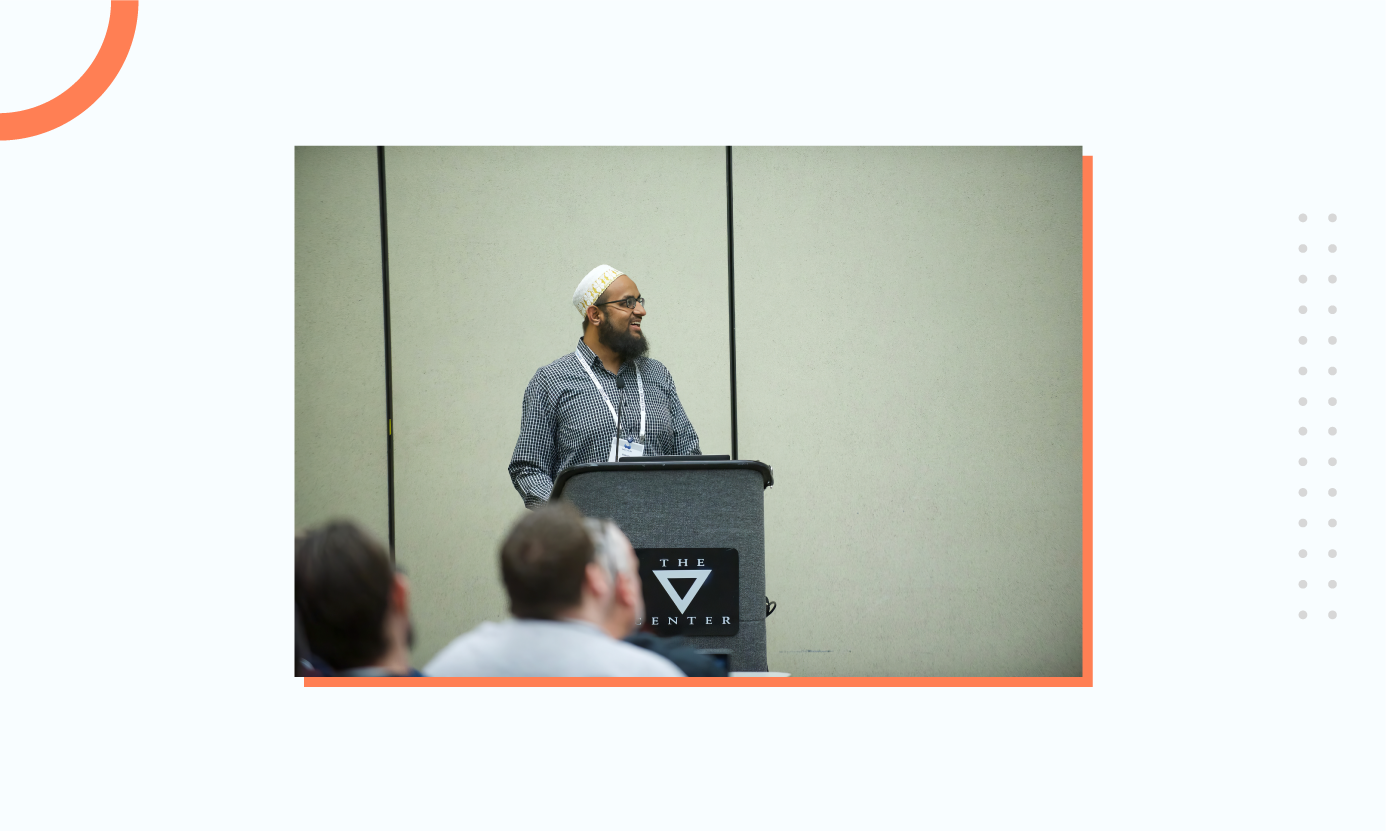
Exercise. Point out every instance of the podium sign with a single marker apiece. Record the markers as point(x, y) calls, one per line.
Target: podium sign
point(690, 592)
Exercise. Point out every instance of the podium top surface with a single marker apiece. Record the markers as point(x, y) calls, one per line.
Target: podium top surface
point(689, 463)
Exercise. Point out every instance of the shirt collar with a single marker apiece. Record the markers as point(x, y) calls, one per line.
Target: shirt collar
point(588, 355)
point(593, 361)
point(578, 623)
point(571, 623)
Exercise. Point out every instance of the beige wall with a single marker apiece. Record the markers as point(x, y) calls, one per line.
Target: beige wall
point(339, 343)
point(908, 359)
point(486, 247)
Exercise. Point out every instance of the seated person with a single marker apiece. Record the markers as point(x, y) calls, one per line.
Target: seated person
point(628, 609)
point(305, 663)
point(562, 590)
point(352, 606)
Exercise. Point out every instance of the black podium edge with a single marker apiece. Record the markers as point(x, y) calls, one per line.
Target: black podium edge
point(693, 464)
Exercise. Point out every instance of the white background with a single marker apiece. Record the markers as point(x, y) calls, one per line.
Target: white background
point(146, 363)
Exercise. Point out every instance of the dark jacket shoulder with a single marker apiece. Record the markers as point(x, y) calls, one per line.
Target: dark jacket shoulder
point(681, 655)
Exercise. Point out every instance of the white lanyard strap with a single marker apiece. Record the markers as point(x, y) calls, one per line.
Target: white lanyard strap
point(640, 386)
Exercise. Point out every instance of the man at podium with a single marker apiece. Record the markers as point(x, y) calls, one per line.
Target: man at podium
point(604, 400)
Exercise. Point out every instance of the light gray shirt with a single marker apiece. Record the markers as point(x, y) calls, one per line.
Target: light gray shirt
point(531, 647)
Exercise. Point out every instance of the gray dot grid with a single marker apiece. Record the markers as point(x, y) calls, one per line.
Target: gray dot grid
point(1302, 372)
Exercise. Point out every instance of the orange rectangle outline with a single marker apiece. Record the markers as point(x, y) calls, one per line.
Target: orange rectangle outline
point(1084, 681)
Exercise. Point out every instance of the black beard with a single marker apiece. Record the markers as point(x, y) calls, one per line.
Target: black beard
point(626, 345)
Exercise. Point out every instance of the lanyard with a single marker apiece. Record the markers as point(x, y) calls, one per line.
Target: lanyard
point(640, 385)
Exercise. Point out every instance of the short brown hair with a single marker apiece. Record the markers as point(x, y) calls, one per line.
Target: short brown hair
point(342, 583)
point(544, 561)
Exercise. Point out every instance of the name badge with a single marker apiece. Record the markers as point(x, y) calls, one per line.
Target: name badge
point(630, 447)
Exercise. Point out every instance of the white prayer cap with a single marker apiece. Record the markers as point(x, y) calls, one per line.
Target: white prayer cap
point(592, 286)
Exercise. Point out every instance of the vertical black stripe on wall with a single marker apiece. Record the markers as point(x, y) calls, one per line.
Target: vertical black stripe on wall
point(731, 307)
point(389, 393)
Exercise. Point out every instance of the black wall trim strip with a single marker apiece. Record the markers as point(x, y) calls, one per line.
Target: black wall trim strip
point(731, 306)
point(389, 393)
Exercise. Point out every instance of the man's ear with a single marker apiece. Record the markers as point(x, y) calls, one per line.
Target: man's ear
point(594, 315)
point(596, 580)
point(399, 594)
point(628, 589)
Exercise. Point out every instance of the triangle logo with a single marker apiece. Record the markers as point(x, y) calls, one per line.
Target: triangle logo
point(699, 576)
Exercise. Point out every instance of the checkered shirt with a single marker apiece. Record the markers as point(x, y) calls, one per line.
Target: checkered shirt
point(564, 421)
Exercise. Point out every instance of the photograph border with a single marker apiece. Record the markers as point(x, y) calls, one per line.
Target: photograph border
point(1084, 681)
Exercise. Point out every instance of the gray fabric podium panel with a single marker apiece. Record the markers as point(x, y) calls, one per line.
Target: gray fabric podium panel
point(684, 509)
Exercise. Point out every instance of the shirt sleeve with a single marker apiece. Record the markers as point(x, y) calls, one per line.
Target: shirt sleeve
point(685, 438)
point(532, 464)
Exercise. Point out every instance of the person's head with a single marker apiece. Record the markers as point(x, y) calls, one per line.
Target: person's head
point(612, 305)
point(550, 568)
point(614, 553)
point(351, 602)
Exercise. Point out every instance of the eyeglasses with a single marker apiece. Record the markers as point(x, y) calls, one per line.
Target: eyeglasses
point(625, 303)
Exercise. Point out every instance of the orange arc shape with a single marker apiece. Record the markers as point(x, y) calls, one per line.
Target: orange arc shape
point(73, 101)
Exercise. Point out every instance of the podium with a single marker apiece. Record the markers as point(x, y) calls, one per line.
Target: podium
point(698, 527)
